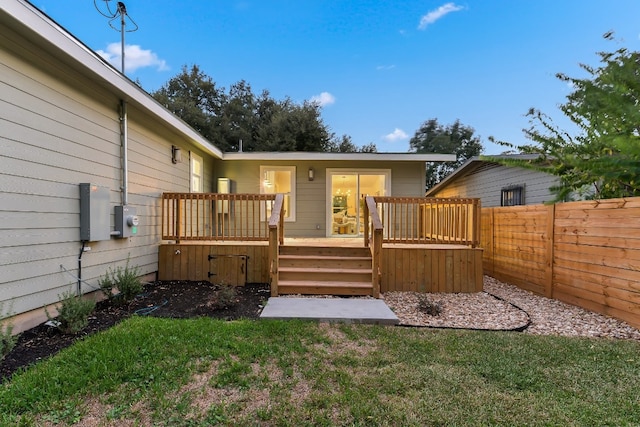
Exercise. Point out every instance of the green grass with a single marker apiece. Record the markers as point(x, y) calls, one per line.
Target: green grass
point(202, 372)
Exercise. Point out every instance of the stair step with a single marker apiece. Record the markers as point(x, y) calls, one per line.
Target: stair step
point(324, 287)
point(305, 261)
point(314, 270)
point(325, 274)
point(325, 251)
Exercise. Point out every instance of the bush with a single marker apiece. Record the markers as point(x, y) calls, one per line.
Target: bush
point(73, 313)
point(432, 308)
point(125, 279)
point(225, 296)
point(7, 339)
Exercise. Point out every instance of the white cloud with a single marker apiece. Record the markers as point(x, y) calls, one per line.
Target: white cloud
point(325, 98)
point(438, 13)
point(385, 67)
point(396, 135)
point(134, 57)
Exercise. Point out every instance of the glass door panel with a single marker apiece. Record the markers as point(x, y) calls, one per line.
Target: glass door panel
point(348, 190)
point(344, 206)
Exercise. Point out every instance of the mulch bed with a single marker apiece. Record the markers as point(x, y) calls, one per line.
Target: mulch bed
point(175, 299)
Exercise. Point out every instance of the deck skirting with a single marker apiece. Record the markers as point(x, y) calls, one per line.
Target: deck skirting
point(417, 268)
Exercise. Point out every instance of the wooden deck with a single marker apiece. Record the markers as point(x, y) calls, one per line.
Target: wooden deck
point(410, 244)
point(405, 267)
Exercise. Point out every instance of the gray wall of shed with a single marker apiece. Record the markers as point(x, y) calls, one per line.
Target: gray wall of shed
point(488, 180)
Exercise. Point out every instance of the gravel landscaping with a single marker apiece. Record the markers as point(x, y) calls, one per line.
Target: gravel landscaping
point(513, 309)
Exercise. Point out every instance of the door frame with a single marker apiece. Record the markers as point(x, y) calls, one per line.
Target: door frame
point(330, 172)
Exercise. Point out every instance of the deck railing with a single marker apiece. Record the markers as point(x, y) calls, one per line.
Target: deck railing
point(424, 220)
point(214, 216)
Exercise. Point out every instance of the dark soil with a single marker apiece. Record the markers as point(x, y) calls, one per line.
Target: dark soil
point(178, 299)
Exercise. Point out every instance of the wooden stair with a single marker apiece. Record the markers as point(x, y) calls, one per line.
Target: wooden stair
point(315, 270)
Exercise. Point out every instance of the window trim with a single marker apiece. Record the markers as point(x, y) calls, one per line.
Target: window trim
point(193, 159)
point(293, 184)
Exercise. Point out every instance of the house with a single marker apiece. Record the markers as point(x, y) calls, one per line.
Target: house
point(87, 154)
point(497, 184)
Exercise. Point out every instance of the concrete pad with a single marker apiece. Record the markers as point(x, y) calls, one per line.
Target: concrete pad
point(345, 310)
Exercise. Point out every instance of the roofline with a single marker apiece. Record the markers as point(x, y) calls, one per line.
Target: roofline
point(315, 155)
point(89, 63)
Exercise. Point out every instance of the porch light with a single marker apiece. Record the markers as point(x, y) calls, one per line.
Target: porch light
point(311, 174)
point(176, 155)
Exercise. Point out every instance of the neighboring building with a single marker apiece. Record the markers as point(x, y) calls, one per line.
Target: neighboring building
point(67, 117)
point(496, 184)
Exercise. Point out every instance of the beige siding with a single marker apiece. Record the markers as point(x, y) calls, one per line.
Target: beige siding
point(486, 183)
point(54, 134)
point(407, 179)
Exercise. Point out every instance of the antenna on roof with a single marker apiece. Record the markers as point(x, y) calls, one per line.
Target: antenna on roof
point(112, 15)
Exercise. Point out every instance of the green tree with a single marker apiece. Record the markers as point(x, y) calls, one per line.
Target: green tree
point(344, 144)
point(194, 97)
point(603, 160)
point(227, 117)
point(458, 139)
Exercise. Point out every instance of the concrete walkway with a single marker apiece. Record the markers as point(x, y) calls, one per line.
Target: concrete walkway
point(345, 310)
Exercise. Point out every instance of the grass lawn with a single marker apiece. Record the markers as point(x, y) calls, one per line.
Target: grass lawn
point(201, 372)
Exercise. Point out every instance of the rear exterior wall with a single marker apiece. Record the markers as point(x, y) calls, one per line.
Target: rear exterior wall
point(407, 180)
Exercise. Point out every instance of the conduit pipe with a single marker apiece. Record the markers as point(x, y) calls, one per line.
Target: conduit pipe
point(124, 151)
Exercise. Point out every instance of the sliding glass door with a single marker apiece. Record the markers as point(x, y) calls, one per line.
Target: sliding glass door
point(346, 192)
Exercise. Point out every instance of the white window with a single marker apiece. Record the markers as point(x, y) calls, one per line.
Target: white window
point(512, 196)
point(197, 173)
point(280, 179)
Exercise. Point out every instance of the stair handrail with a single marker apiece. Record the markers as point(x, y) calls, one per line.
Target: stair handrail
point(276, 238)
point(374, 242)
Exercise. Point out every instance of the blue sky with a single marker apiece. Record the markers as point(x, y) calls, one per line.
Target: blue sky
point(379, 68)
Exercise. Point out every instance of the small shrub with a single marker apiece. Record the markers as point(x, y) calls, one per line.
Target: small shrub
point(224, 297)
point(7, 339)
point(125, 279)
point(106, 285)
point(73, 313)
point(432, 308)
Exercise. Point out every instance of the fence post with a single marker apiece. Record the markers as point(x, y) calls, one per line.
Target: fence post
point(549, 241)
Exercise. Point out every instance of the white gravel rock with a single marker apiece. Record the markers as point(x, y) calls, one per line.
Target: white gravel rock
point(514, 309)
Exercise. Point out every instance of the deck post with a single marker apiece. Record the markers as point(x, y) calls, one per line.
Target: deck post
point(377, 261)
point(273, 260)
point(276, 238)
point(366, 224)
point(376, 247)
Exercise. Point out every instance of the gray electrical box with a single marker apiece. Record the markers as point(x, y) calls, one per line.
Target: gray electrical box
point(94, 213)
point(126, 221)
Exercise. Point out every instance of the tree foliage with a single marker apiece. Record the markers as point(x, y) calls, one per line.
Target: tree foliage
point(458, 139)
point(603, 160)
point(262, 123)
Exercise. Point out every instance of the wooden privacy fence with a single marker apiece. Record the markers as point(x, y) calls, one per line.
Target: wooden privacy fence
point(583, 253)
point(213, 216)
point(426, 220)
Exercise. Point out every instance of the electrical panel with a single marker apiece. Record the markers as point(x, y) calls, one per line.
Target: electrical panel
point(126, 221)
point(94, 213)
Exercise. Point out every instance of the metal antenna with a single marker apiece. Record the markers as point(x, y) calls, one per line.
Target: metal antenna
point(121, 11)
